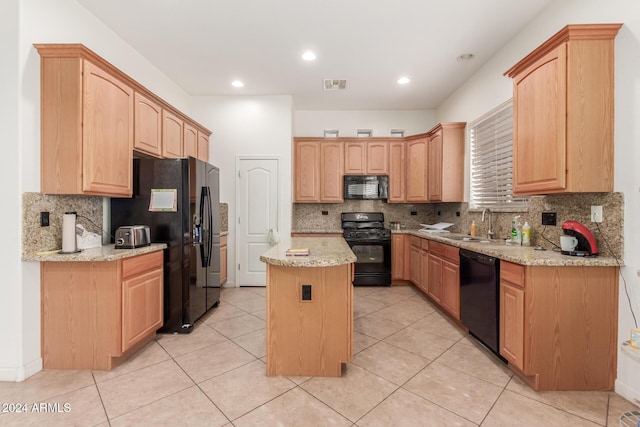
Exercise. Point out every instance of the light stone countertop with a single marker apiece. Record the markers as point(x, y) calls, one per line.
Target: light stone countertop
point(103, 253)
point(524, 255)
point(325, 252)
point(315, 231)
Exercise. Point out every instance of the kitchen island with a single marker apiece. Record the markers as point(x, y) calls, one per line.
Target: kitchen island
point(309, 307)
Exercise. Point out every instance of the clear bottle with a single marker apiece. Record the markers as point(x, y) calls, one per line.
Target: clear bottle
point(526, 234)
point(516, 230)
point(474, 229)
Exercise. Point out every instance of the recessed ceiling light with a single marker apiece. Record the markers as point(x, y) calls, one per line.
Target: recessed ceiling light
point(309, 56)
point(403, 80)
point(465, 57)
point(237, 83)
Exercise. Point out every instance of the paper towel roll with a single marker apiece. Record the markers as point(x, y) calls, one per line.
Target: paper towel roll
point(69, 232)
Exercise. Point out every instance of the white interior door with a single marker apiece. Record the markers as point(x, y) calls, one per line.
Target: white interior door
point(257, 215)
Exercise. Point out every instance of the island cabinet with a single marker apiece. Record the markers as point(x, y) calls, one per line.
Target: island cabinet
point(397, 176)
point(417, 174)
point(444, 277)
point(318, 171)
point(366, 157)
point(86, 128)
point(558, 325)
point(95, 313)
point(147, 126)
point(563, 113)
point(309, 307)
point(446, 163)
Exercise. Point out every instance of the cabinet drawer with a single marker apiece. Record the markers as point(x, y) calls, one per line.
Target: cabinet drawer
point(141, 263)
point(424, 244)
point(512, 273)
point(223, 240)
point(449, 252)
point(415, 241)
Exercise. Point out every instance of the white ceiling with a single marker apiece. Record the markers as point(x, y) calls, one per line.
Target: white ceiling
point(203, 45)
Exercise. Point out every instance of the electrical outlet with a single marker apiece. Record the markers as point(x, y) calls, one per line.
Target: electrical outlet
point(549, 218)
point(324, 212)
point(44, 219)
point(414, 212)
point(596, 214)
point(306, 292)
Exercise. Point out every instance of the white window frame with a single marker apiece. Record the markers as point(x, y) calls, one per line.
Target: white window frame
point(491, 161)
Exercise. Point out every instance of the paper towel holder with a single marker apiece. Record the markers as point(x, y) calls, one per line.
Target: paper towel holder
point(69, 243)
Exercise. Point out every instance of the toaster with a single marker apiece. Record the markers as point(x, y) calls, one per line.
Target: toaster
point(132, 236)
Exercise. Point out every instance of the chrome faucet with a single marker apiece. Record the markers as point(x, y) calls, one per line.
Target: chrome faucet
point(490, 230)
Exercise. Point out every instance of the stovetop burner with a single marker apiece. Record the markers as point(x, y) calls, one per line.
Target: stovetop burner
point(364, 226)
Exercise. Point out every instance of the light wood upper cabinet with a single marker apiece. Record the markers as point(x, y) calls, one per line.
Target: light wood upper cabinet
point(366, 158)
point(86, 128)
point(397, 180)
point(306, 160)
point(203, 146)
point(446, 162)
point(331, 167)
point(107, 133)
point(563, 113)
point(355, 158)
point(172, 133)
point(377, 157)
point(416, 169)
point(318, 171)
point(147, 135)
point(92, 118)
point(190, 141)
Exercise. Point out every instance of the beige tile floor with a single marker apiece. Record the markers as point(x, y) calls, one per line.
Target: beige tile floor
point(411, 367)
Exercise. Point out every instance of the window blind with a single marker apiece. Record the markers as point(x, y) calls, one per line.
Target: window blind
point(491, 139)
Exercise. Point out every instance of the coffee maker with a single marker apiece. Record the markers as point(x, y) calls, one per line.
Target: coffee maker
point(587, 245)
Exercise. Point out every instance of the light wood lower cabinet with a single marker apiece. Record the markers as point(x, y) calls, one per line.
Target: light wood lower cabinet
point(558, 325)
point(223, 259)
point(397, 256)
point(444, 277)
point(415, 261)
point(96, 313)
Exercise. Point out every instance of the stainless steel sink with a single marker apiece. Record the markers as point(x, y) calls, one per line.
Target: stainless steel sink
point(465, 238)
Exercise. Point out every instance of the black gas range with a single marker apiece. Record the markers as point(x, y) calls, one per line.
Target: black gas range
point(371, 243)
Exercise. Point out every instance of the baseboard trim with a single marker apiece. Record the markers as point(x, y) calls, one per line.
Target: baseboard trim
point(628, 392)
point(21, 373)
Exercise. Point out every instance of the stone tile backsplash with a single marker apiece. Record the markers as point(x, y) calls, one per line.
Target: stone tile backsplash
point(307, 217)
point(36, 238)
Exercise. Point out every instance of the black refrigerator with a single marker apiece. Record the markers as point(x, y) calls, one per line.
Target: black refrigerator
point(179, 200)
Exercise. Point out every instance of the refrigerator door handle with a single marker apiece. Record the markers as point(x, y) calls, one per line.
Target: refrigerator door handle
point(209, 230)
point(205, 217)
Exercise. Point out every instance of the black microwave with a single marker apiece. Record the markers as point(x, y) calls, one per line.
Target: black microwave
point(366, 187)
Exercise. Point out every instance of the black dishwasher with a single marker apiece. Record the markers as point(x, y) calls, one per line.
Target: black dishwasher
point(480, 297)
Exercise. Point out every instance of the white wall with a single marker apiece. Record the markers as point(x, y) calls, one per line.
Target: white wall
point(248, 126)
point(488, 88)
point(313, 123)
point(25, 22)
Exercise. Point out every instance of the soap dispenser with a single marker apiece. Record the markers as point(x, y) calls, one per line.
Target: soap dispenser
point(474, 229)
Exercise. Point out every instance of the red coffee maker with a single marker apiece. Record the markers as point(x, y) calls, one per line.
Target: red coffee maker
point(587, 245)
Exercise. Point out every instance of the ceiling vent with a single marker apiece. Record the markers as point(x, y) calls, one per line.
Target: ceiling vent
point(330, 84)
